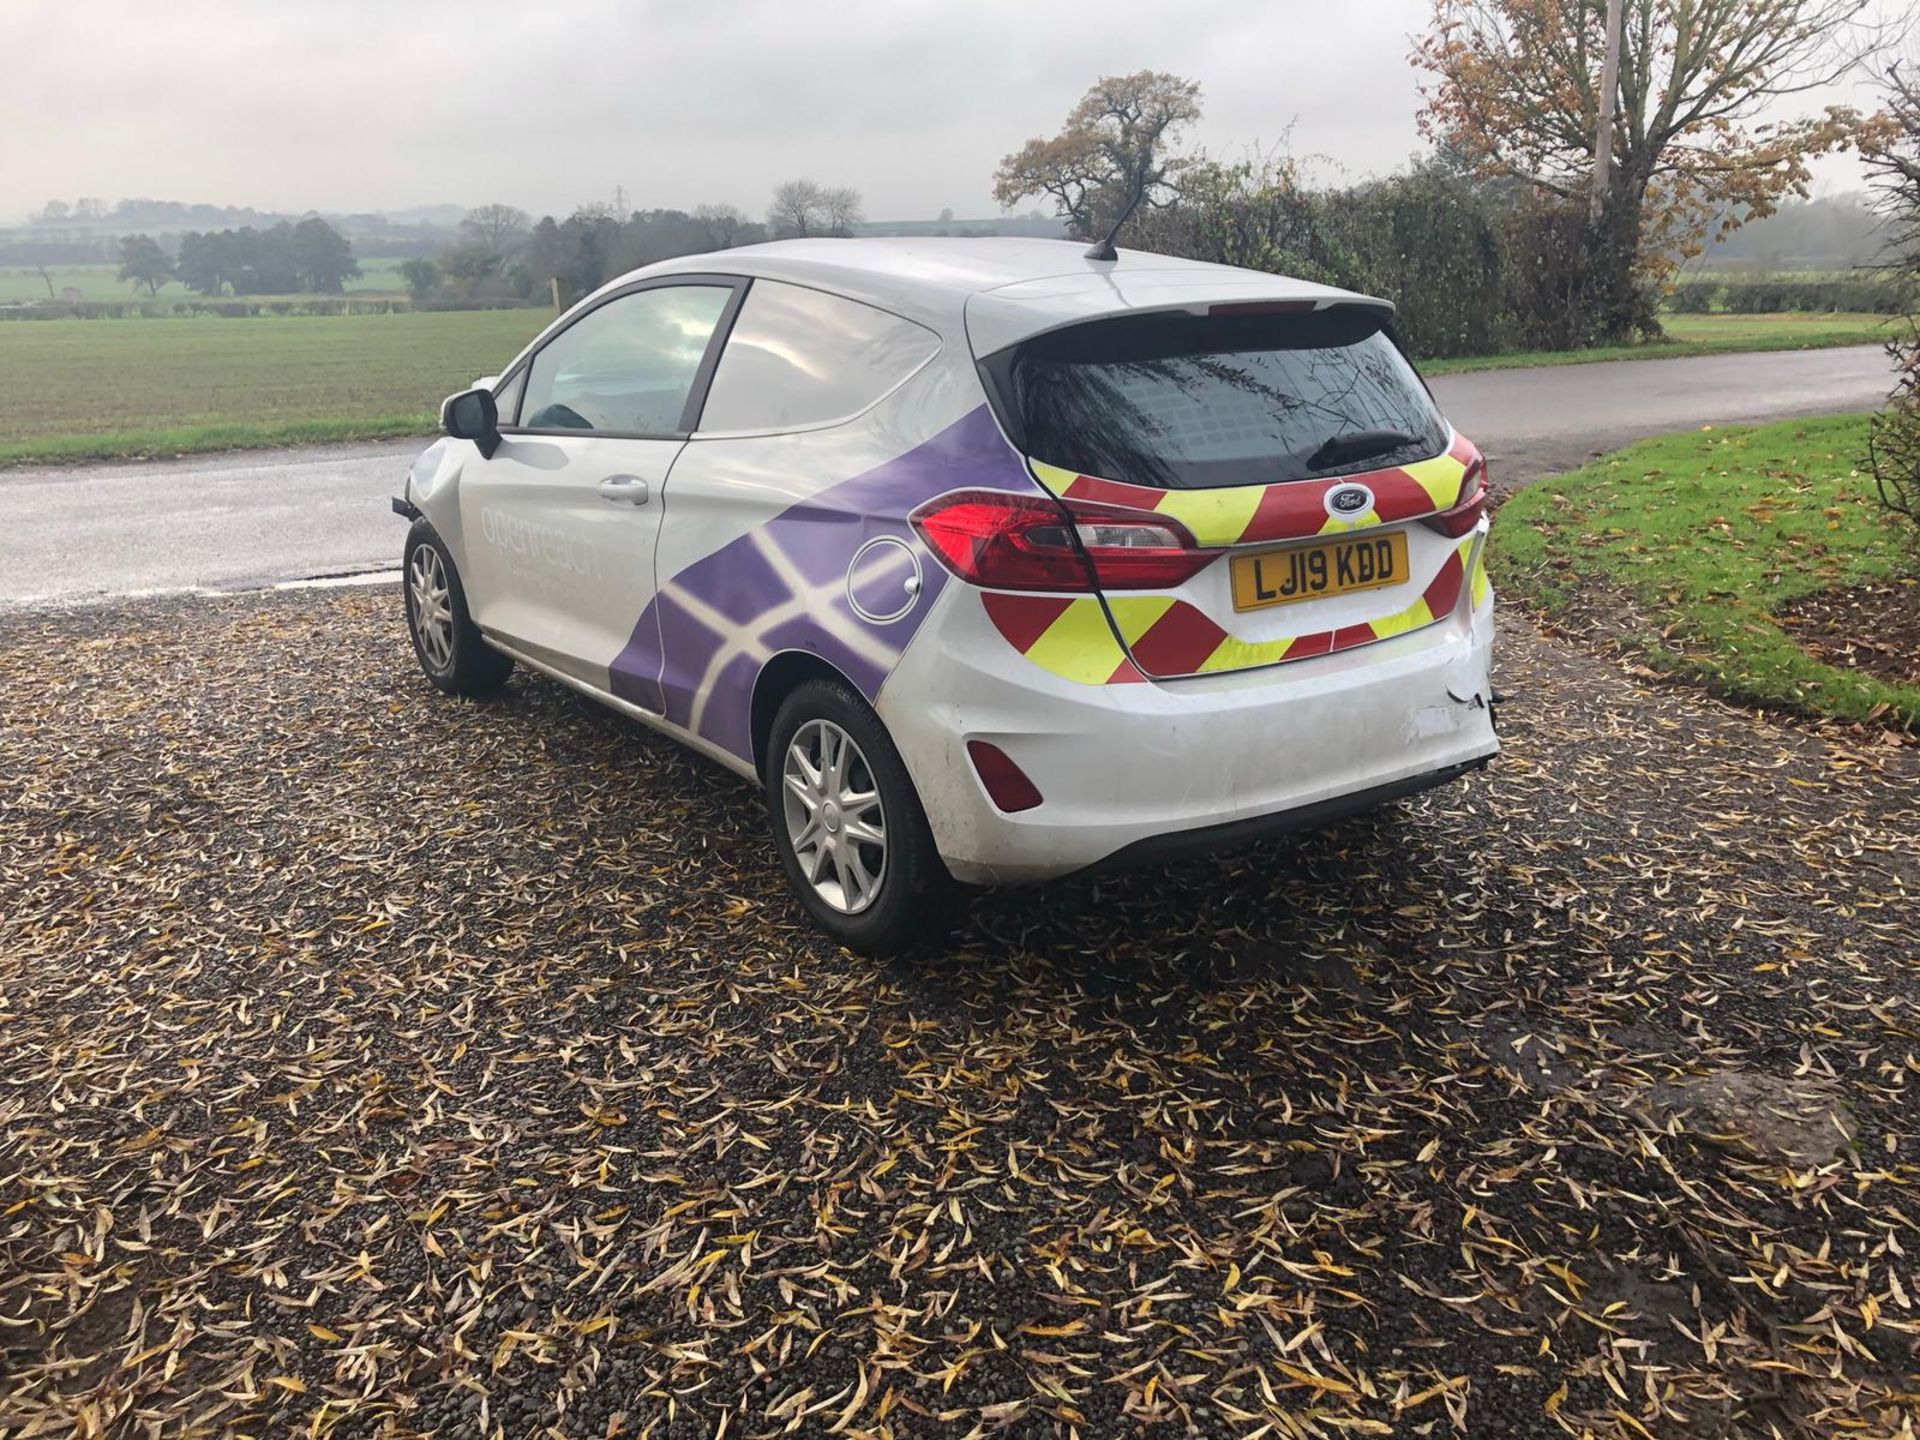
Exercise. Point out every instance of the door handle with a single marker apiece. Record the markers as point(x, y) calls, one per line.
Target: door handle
point(624, 490)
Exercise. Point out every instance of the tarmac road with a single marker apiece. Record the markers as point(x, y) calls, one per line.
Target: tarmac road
point(75, 533)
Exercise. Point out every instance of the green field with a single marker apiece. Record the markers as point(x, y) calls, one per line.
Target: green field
point(1700, 335)
point(102, 282)
point(1683, 551)
point(93, 388)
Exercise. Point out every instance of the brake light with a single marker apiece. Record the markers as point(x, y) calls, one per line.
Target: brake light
point(1024, 542)
point(1007, 784)
point(1262, 307)
point(1473, 504)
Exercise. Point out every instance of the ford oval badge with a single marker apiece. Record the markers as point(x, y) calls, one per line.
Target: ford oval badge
point(1344, 502)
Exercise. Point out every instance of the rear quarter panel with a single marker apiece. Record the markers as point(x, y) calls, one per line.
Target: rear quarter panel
point(759, 544)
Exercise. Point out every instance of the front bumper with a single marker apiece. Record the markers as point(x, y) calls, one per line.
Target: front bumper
point(1141, 772)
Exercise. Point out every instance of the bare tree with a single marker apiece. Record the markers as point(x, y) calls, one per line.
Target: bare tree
point(723, 223)
point(1894, 441)
point(1894, 160)
point(42, 255)
point(499, 230)
point(797, 208)
point(840, 209)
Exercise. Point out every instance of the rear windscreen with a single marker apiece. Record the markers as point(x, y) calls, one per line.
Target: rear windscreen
point(1188, 402)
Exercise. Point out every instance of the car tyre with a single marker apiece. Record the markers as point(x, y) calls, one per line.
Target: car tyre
point(847, 821)
point(447, 643)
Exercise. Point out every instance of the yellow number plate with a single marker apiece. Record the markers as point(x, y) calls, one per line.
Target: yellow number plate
point(1307, 572)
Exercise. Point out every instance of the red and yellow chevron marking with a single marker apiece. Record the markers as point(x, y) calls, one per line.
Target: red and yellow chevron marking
point(1068, 635)
point(1291, 510)
point(1167, 637)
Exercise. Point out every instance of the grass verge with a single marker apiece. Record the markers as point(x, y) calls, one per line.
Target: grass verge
point(1683, 550)
point(1697, 335)
point(201, 439)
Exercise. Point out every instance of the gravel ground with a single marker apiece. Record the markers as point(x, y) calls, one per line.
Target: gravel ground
point(377, 1064)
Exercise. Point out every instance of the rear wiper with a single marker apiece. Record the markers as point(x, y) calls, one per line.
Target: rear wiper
point(1358, 445)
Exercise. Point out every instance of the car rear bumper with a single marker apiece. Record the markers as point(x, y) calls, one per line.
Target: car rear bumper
point(1137, 773)
point(1211, 839)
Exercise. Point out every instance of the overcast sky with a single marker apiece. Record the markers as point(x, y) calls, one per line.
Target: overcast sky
point(376, 104)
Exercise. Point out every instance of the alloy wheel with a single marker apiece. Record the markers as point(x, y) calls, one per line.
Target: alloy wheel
point(835, 821)
point(432, 607)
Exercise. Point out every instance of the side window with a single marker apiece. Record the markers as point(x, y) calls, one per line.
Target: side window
point(627, 366)
point(507, 398)
point(802, 357)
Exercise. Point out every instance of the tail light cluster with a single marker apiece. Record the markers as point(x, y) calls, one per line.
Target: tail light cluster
point(1472, 505)
point(1001, 541)
point(1025, 542)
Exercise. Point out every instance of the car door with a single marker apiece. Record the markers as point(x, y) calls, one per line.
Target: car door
point(560, 523)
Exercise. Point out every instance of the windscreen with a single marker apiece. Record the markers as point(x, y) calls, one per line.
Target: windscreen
point(1187, 402)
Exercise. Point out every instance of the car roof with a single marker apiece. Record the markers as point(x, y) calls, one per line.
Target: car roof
point(999, 290)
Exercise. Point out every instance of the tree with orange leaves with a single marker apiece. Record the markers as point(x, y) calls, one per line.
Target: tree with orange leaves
point(1116, 143)
point(1697, 147)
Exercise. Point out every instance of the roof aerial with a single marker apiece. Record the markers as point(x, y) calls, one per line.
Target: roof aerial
point(1102, 249)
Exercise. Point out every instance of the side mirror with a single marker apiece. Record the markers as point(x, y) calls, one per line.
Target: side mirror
point(472, 415)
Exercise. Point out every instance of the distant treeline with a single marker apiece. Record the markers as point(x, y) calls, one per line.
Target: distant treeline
point(501, 252)
point(1475, 266)
point(1835, 232)
point(492, 254)
point(310, 258)
point(148, 215)
point(247, 307)
point(502, 255)
point(89, 232)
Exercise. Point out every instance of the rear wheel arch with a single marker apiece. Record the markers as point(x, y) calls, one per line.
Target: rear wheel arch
point(846, 819)
point(779, 678)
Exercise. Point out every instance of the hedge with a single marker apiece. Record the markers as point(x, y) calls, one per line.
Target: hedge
point(1867, 294)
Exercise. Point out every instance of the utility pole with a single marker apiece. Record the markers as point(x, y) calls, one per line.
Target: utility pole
point(1603, 137)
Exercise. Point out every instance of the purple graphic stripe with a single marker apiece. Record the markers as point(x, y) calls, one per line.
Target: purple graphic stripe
point(674, 645)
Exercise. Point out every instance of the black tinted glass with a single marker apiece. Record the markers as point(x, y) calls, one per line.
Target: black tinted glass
point(1194, 402)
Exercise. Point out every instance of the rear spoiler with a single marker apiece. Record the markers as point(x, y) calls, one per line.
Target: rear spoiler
point(999, 319)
